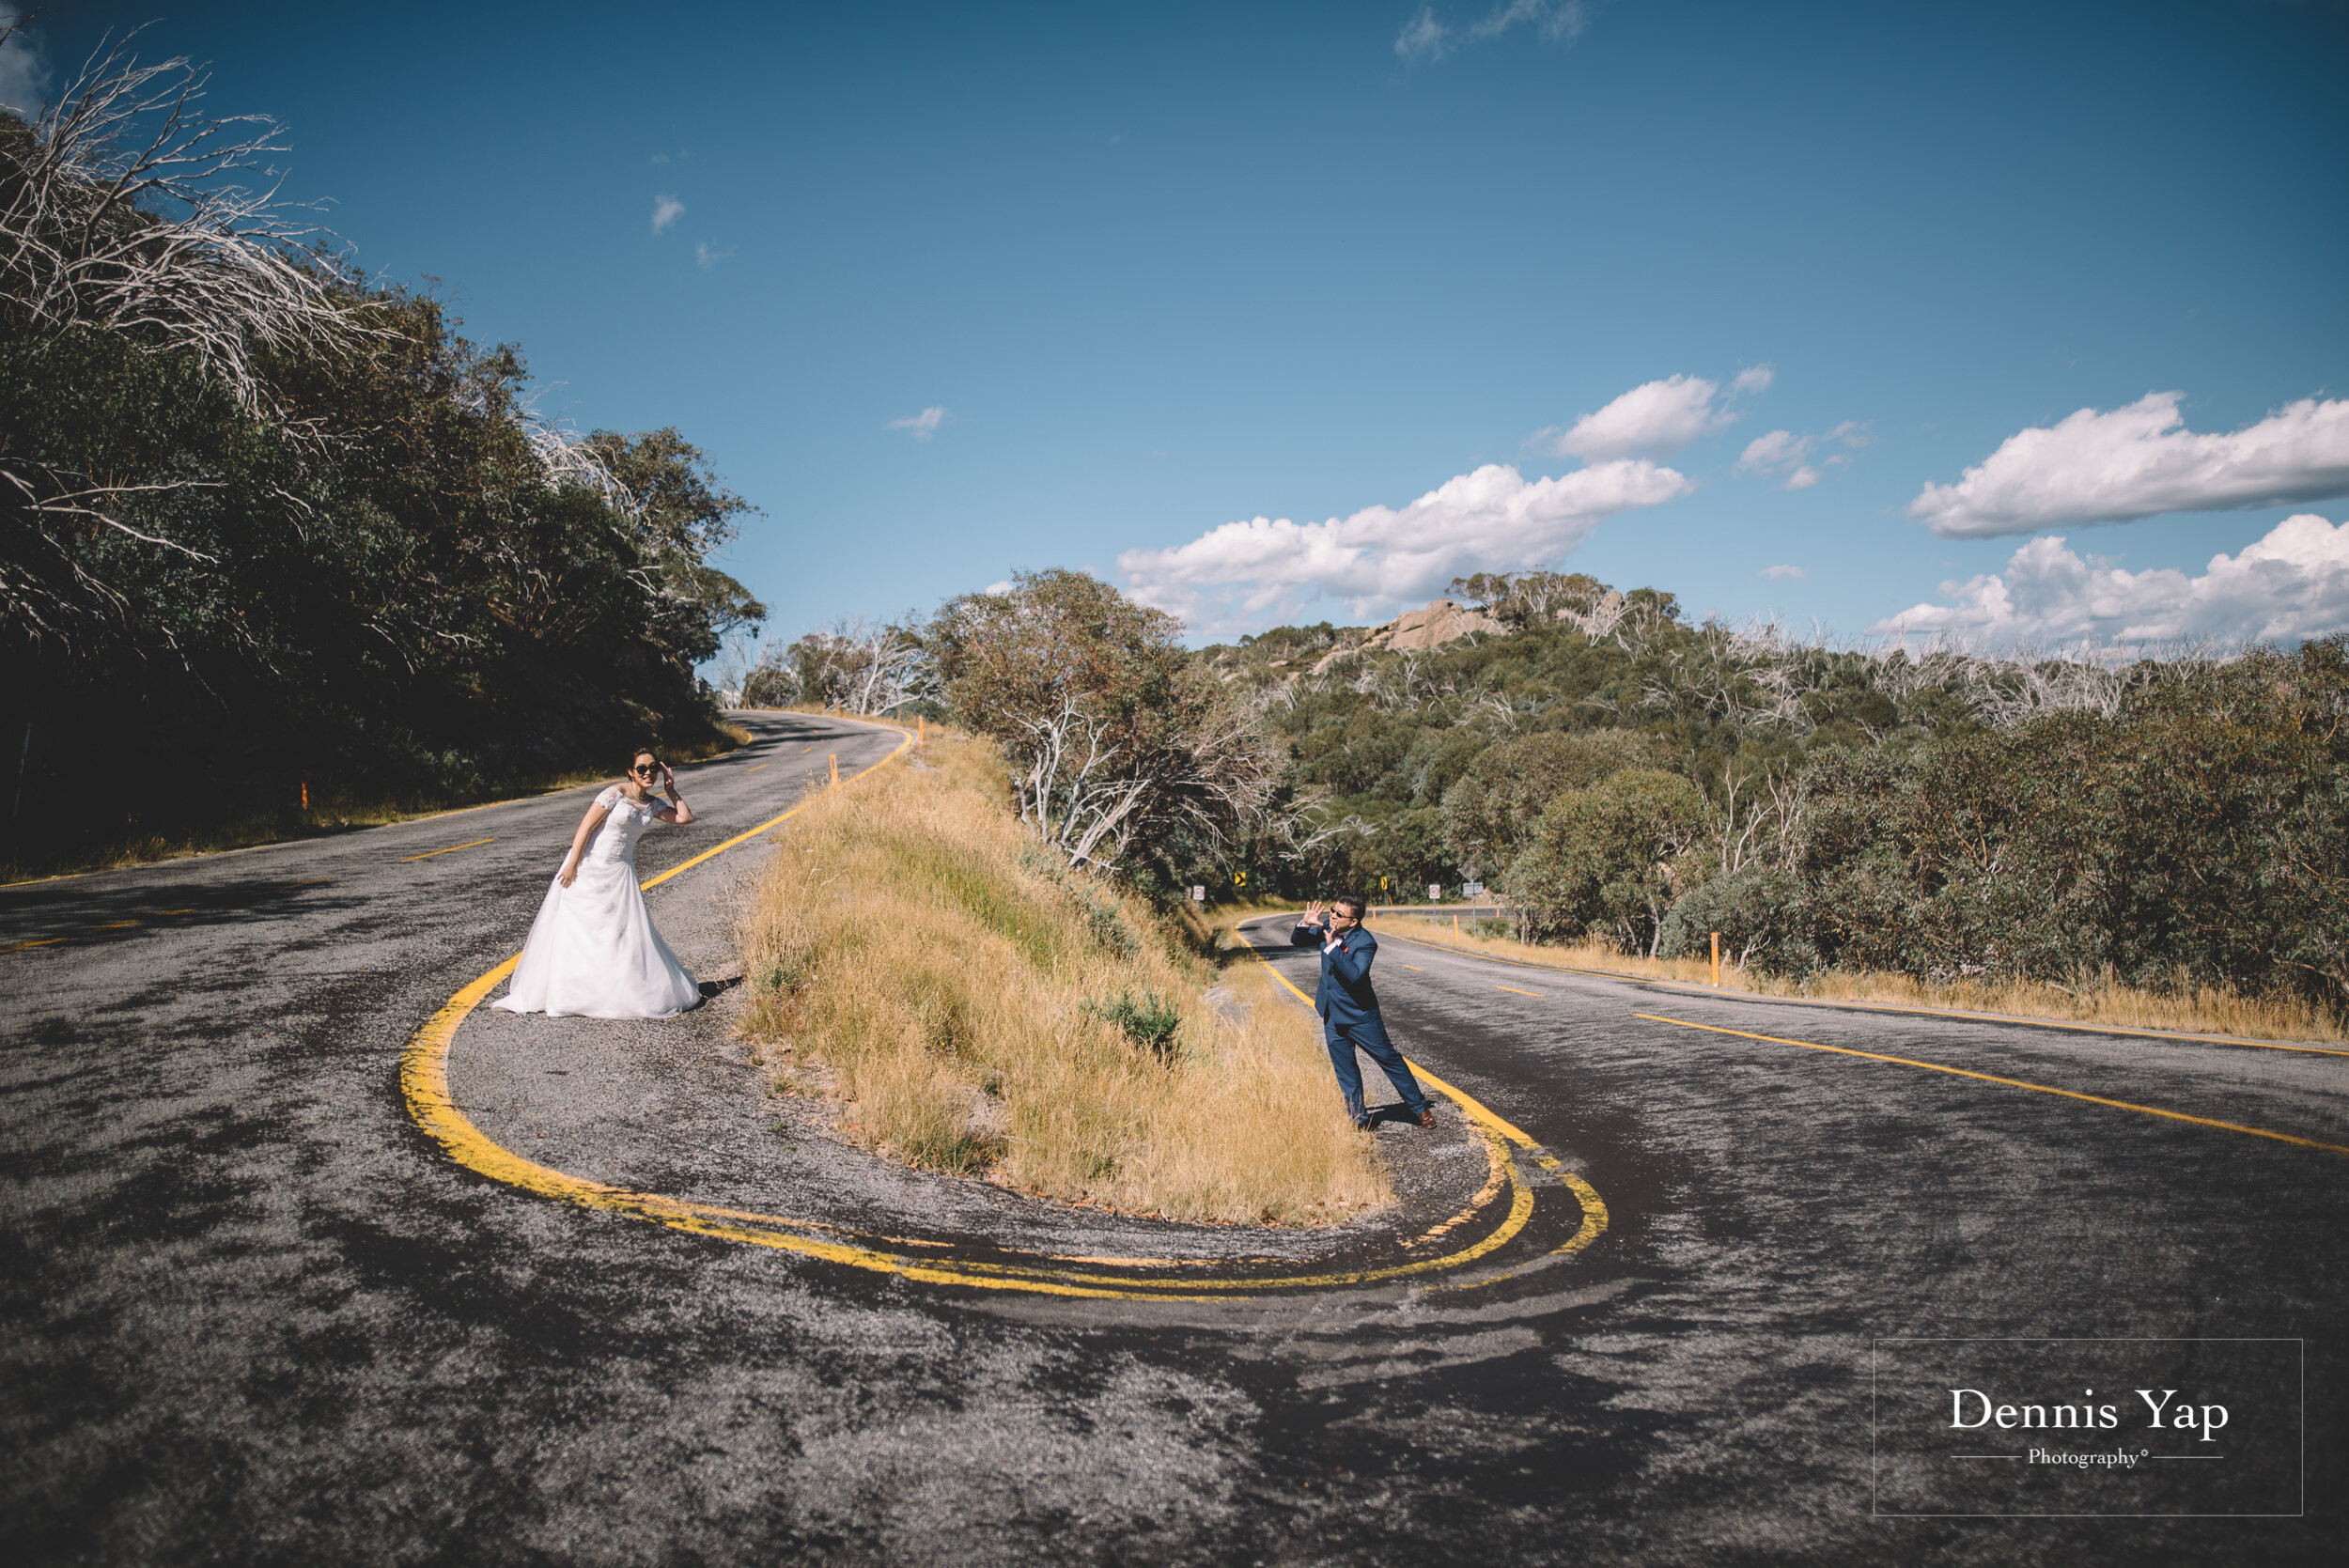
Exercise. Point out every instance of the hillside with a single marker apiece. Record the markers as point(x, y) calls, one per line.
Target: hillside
point(1630, 775)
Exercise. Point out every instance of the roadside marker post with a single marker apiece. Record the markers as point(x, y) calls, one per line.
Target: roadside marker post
point(835, 769)
point(1717, 960)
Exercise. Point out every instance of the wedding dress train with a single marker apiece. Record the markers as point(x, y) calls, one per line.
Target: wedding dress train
point(593, 952)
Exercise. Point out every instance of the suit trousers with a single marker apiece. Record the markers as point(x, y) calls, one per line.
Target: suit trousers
point(1368, 1033)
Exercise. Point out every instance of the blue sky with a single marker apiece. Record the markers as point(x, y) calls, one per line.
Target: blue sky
point(1170, 270)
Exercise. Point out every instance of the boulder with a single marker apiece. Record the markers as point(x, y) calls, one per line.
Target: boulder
point(1441, 622)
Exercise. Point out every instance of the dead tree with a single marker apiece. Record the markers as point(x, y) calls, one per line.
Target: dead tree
point(123, 211)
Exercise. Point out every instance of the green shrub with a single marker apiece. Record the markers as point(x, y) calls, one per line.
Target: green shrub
point(1607, 860)
point(1147, 1020)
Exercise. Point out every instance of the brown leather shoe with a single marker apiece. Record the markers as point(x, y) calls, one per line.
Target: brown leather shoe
point(1427, 1117)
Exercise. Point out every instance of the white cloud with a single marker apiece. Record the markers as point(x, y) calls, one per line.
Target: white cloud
point(1755, 377)
point(1249, 574)
point(2140, 460)
point(1657, 418)
point(1771, 451)
point(1785, 453)
point(1780, 573)
point(2289, 585)
point(1425, 38)
point(996, 588)
point(708, 255)
point(665, 211)
point(23, 74)
point(924, 424)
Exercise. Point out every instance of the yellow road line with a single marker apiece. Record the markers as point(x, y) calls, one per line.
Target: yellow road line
point(2012, 1083)
point(1514, 989)
point(2174, 1037)
point(450, 850)
point(424, 1084)
point(77, 931)
point(1594, 1207)
point(755, 769)
point(1415, 969)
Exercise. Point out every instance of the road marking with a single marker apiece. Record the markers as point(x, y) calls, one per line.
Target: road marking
point(450, 850)
point(1514, 989)
point(2173, 1036)
point(424, 1084)
point(1415, 969)
point(1594, 1207)
point(77, 931)
point(755, 769)
point(2012, 1083)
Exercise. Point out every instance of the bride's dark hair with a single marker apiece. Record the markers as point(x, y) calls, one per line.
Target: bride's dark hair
point(642, 751)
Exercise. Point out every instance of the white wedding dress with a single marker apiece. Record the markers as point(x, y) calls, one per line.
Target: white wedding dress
point(593, 952)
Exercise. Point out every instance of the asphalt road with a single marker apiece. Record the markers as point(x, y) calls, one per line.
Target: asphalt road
point(255, 1313)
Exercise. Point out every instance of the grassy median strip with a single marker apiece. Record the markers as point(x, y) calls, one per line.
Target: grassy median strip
point(981, 1010)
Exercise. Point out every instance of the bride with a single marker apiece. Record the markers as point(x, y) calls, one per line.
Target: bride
point(593, 952)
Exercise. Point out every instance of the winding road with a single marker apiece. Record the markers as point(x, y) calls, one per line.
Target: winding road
point(307, 1262)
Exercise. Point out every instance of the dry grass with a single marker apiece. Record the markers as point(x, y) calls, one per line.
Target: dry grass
point(2188, 1009)
point(911, 953)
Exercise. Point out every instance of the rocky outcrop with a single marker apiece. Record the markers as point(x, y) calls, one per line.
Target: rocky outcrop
point(1441, 622)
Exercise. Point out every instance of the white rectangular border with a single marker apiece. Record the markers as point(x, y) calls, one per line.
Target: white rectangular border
point(1875, 1467)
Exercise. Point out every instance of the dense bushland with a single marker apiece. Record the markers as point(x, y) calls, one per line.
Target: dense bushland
point(265, 524)
point(1627, 777)
point(2178, 825)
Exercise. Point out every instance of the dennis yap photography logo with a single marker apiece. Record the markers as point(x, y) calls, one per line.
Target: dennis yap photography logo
point(2013, 1428)
point(1973, 1410)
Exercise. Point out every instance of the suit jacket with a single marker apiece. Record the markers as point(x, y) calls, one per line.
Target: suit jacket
point(1344, 995)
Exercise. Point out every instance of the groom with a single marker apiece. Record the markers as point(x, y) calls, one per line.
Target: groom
point(1349, 1008)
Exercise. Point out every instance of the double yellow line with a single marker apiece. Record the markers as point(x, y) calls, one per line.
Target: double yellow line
point(1498, 1131)
point(424, 1084)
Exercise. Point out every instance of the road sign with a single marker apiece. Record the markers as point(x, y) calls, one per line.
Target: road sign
point(1198, 893)
point(1434, 892)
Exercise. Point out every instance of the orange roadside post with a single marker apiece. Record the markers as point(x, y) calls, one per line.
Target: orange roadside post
point(1717, 960)
point(920, 729)
point(306, 795)
point(835, 769)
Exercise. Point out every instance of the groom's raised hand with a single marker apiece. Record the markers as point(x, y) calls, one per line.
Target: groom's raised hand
point(1314, 915)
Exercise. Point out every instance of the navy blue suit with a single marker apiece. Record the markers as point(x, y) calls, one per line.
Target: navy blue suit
point(1349, 1019)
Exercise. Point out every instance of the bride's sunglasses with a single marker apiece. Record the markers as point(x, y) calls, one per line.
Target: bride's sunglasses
point(644, 768)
